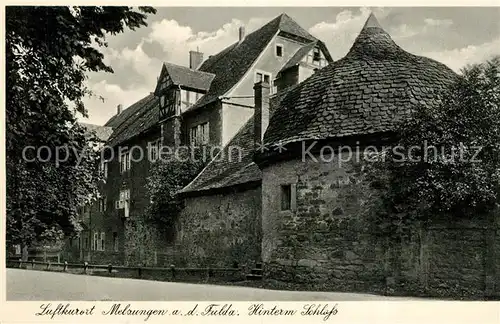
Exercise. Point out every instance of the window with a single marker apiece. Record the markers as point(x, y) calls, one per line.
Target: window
point(103, 168)
point(288, 197)
point(258, 77)
point(124, 161)
point(115, 241)
point(265, 77)
point(102, 242)
point(123, 199)
point(279, 50)
point(162, 101)
point(86, 243)
point(95, 241)
point(154, 150)
point(102, 204)
point(316, 56)
point(262, 76)
point(200, 134)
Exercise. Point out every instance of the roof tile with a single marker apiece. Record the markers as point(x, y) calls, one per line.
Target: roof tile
point(367, 91)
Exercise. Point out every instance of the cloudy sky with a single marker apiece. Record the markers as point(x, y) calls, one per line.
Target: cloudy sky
point(454, 36)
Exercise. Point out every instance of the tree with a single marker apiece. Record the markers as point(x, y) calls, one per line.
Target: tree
point(49, 51)
point(446, 162)
point(167, 176)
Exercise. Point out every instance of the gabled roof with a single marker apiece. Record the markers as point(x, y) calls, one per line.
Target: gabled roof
point(184, 76)
point(366, 92)
point(231, 64)
point(303, 51)
point(135, 120)
point(217, 75)
point(297, 57)
point(101, 132)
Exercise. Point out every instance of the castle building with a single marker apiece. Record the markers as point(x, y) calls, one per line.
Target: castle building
point(208, 102)
point(273, 94)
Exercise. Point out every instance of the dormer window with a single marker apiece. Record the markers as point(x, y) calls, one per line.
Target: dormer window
point(168, 103)
point(279, 50)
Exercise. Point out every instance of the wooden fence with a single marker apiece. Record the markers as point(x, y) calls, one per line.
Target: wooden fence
point(171, 273)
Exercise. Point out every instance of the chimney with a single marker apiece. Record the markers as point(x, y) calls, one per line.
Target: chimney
point(262, 91)
point(119, 109)
point(195, 59)
point(242, 33)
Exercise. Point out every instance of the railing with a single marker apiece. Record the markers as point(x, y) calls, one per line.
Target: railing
point(171, 273)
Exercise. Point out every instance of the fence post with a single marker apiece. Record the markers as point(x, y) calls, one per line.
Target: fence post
point(65, 266)
point(172, 267)
point(139, 271)
point(32, 263)
point(85, 265)
point(20, 263)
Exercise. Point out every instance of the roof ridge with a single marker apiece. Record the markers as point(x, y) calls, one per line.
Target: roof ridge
point(372, 22)
point(185, 67)
point(373, 40)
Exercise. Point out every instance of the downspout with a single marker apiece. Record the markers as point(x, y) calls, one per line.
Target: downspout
point(179, 116)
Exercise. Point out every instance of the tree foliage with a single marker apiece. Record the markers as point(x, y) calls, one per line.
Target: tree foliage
point(49, 51)
point(446, 162)
point(167, 177)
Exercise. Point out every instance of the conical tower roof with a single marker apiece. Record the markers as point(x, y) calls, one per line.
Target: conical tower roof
point(366, 92)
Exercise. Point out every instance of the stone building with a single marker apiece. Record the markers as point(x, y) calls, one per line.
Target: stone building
point(290, 204)
point(275, 100)
point(208, 102)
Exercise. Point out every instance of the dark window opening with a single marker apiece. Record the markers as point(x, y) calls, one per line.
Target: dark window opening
point(286, 197)
point(279, 50)
point(316, 55)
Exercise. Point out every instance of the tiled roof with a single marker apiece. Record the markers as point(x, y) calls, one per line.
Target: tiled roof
point(365, 92)
point(233, 165)
point(302, 51)
point(227, 170)
point(182, 75)
point(116, 120)
point(297, 57)
point(134, 120)
point(231, 64)
point(101, 132)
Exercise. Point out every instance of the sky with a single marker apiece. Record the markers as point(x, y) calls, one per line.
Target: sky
point(454, 36)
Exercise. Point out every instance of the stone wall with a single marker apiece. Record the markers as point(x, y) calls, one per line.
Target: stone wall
point(325, 243)
point(221, 230)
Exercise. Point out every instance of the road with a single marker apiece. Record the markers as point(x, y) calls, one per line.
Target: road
point(40, 285)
